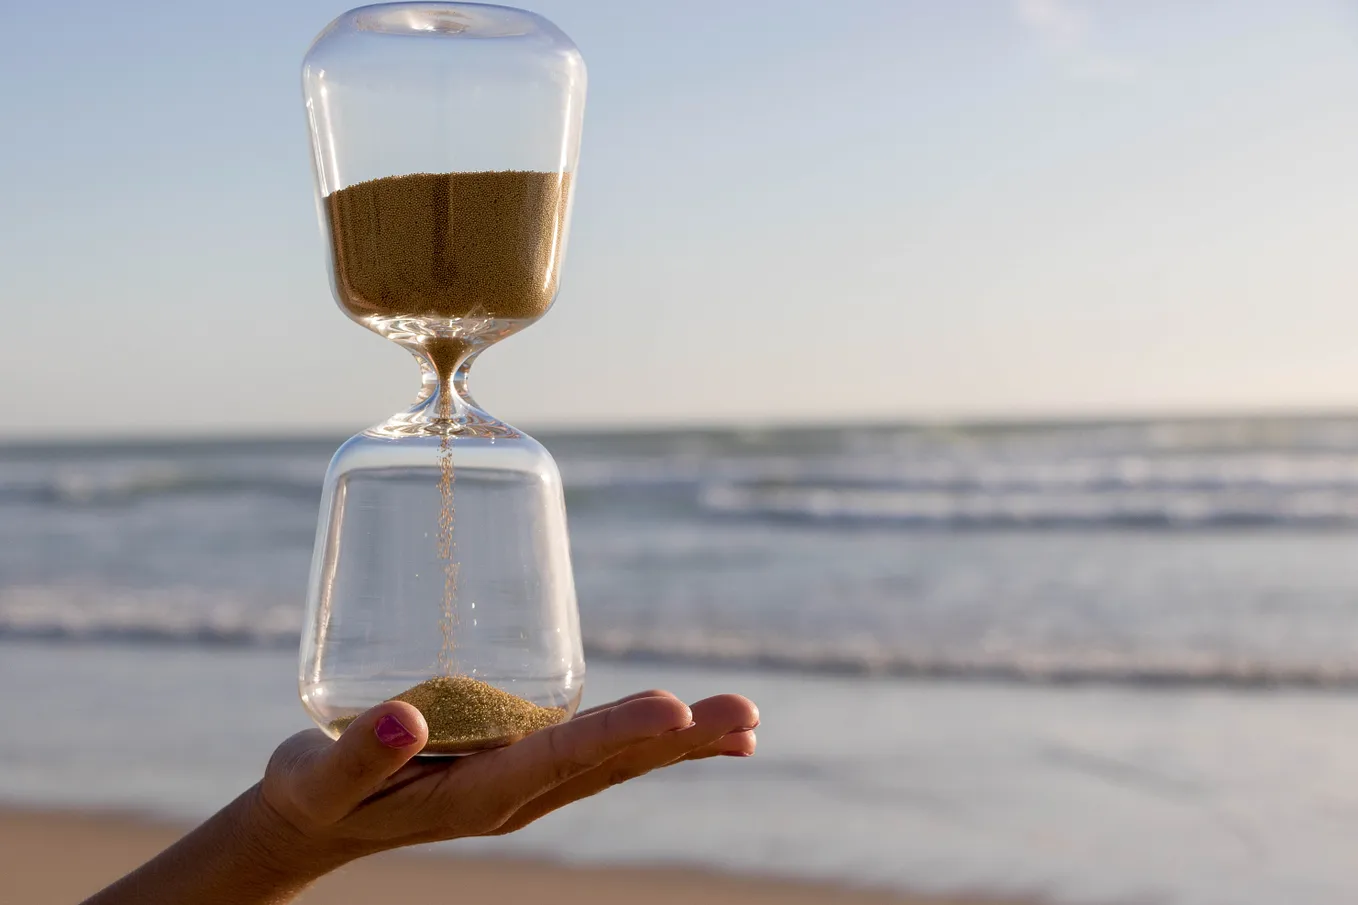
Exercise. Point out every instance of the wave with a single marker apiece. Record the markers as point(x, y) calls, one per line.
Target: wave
point(93, 487)
point(1031, 509)
point(1068, 667)
point(180, 616)
point(966, 472)
point(967, 487)
point(227, 624)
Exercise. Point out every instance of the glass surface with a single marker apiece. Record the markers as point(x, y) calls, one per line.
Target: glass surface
point(444, 138)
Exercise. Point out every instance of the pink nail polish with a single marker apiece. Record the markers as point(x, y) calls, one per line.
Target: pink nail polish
point(391, 733)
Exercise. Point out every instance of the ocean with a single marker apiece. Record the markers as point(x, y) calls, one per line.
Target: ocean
point(1086, 661)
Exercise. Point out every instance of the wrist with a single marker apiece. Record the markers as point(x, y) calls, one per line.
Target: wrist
point(245, 854)
point(279, 847)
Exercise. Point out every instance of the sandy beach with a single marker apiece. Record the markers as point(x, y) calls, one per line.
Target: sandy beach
point(51, 858)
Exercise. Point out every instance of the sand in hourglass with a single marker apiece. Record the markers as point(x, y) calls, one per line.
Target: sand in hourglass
point(434, 247)
point(466, 714)
point(449, 245)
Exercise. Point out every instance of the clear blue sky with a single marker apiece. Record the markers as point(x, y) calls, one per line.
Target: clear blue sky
point(785, 211)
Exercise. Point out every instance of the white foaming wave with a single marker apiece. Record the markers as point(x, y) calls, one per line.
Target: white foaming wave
point(1126, 472)
point(195, 618)
point(870, 658)
point(603, 473)
point(90, 484)
point(1017, 508)
point(964, 470)
point(186, 615)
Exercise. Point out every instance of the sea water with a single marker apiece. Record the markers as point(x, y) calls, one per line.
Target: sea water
point(1091, 662)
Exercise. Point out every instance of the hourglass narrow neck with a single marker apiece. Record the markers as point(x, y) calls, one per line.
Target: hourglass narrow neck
point(462, 378)
point(440, 361)
point(444, 406)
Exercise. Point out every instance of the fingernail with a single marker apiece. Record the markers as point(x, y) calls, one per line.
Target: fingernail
point(691, 724)
point(391, 733)
point(749, 728)
point(737, 754)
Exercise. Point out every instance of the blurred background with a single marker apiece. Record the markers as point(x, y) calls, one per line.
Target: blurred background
point(972, 384)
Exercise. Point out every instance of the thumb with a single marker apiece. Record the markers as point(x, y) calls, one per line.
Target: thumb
point(328, 780)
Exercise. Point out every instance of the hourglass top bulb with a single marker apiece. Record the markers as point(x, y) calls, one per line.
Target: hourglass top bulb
point(445, 138)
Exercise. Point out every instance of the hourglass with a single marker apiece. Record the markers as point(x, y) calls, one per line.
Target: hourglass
point(444, 140)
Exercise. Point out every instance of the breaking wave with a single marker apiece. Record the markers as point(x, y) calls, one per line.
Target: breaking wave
point(165, 618)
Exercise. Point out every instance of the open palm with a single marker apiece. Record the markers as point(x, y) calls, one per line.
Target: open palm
point(365, 792)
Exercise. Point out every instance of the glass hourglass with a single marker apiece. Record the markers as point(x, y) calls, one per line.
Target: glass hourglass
point(444, 139)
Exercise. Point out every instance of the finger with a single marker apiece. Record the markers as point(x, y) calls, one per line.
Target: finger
point(550, 757)
point(327, 781)
point(653, 693)
point(733, 744)
point(720, 724)
point(714, 719)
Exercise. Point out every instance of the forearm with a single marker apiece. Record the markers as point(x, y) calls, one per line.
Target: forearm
point(242, 855)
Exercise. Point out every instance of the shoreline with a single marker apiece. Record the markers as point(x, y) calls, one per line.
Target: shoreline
point(58, 857)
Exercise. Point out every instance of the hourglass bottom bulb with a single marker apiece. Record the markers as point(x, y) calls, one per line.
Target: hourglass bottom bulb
point(474, 624)
point(467, 715)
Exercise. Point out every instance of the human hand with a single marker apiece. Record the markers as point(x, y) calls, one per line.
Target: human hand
point(334, 801)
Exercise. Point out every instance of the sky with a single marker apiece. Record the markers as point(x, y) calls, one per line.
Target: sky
point(785, 212)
